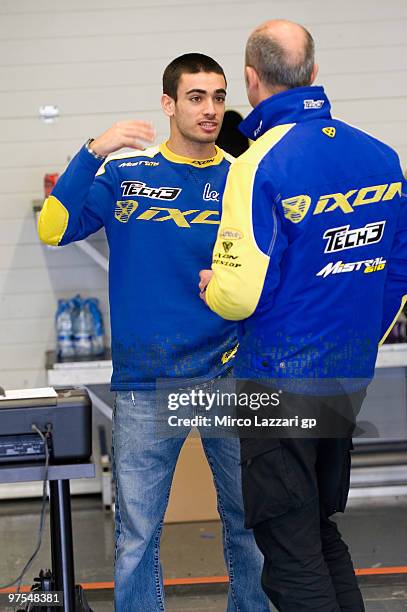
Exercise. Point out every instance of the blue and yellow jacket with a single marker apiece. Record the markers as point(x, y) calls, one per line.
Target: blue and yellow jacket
point(311, 253)
point(161, 213)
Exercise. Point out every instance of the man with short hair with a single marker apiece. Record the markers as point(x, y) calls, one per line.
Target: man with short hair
point(160, 208)
point(313, 223)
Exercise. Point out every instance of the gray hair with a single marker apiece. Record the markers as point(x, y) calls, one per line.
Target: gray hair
point(274, 64)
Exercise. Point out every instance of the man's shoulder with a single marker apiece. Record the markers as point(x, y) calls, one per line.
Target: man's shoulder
point(260, 149)
point(131, 159)
point(227, 156)
point(367, 137)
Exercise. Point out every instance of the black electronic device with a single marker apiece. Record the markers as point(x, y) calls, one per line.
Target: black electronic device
point(54, 430)
point(66, 420)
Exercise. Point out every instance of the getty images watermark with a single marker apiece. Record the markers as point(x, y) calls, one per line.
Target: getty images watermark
point(290, 407)
point(237, 412)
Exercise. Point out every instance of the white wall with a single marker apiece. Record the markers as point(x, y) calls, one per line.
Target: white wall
point(101, 60)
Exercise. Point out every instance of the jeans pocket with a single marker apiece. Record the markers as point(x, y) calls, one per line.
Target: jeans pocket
point(269, 483)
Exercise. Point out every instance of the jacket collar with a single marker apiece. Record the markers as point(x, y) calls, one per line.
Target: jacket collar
point(198, 163)
point(291, 106)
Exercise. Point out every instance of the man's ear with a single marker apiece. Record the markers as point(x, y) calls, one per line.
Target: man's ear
point(251, 77)
point(252, 85)
point(168, 105)
point(314, 73)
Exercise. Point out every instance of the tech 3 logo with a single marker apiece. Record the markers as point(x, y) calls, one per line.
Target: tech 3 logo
point(297, 207)
point(342, 238)
point(137, 188)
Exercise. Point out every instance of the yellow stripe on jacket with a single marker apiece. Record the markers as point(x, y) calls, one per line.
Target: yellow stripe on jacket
point(239, 266)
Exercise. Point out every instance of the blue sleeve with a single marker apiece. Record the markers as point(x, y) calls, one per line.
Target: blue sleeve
point(79, 202)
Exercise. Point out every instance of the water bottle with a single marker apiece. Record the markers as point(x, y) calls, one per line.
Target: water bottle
point(64, 331)
point(82, 329)
point(98, 333)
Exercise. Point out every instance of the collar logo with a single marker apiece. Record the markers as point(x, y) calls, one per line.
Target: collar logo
point(329, 131)
point(296, 208)
point(124, 209)
point(203, 162)
point(258, 129)
point(313, 104)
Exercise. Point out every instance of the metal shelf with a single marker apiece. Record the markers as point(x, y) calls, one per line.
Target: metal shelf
point(83, 245)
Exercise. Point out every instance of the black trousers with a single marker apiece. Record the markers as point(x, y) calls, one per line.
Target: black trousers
point(291, 486)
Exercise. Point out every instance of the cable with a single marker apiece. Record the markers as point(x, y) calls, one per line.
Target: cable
point(19, 578)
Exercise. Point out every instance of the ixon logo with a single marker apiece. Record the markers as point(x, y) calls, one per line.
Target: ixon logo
point(124, 209)
point(297, 207)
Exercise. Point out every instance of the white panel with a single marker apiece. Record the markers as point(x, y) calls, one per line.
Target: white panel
point(24, 379)
point(366, 60)
point(27, 331)
point(80, 127)
point(179, 13)
point(107, 48)
point(53, 154)
point(372, 111)
point(50, 7)
point(134, 100)
point(362, 35)
point(335, 55)
point(37, 255)
point(36, 280)
point(364, 86)
point(15, 207)
point(76, 75)
point(25, 181)
point(381, 111)
point(402, 152)
point(14, 231)
point(16, 306)
point(134, 22)
point(14, 357)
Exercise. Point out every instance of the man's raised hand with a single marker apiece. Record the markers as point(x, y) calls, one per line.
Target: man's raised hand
point(123, 134)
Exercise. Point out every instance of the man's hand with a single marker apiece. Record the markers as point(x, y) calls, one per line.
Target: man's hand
point(205, 276)
point(123, 134)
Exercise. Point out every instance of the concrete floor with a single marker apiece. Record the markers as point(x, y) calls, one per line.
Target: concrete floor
point(376, 532)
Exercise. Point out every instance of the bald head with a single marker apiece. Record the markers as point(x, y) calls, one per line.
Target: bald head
point(282, 54)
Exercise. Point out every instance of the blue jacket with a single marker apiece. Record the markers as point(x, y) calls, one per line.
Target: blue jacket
point(161, 213)
point(311, 252)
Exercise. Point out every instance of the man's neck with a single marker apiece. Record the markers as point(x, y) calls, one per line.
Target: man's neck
point(192, 150)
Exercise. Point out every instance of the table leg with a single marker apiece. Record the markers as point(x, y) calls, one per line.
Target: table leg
point(61, 541)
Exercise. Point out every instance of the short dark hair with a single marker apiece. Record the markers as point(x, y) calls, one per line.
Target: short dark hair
point(189, 63)
point(274, 64)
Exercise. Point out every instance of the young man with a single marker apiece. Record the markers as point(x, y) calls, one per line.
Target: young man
point(160, 209)
point(318, 216)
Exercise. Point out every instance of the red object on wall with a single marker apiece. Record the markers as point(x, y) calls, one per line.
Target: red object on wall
point(50, 180)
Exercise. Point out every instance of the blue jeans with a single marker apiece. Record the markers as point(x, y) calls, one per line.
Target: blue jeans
point(144, 465)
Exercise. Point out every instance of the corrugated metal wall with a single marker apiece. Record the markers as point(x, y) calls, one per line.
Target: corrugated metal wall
point(100, 61)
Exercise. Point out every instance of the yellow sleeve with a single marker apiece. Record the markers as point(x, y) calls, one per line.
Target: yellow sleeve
point(53, 221)
point(238, 264)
